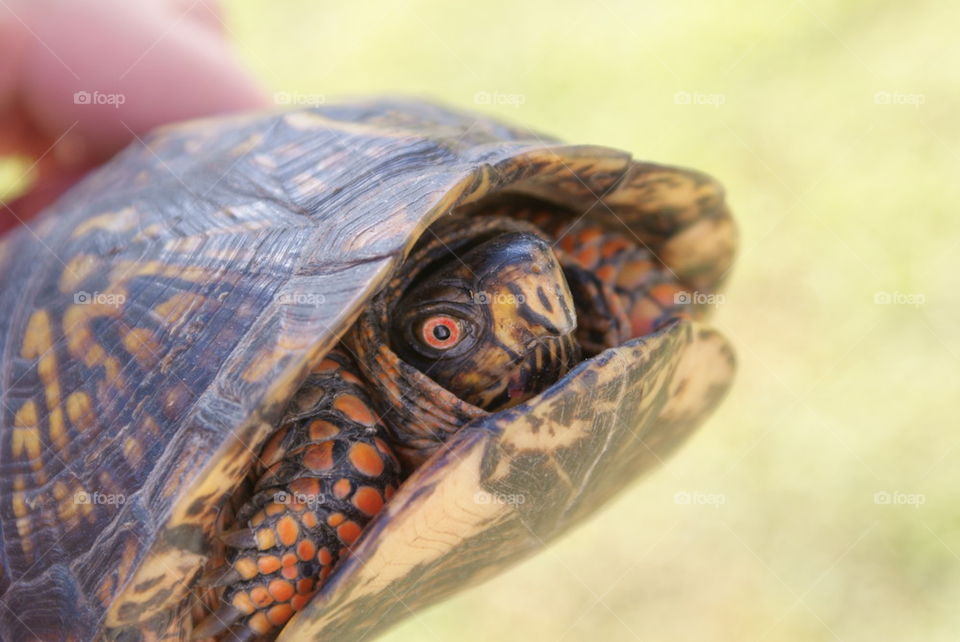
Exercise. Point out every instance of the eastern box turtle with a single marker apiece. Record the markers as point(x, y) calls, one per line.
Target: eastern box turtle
point(303, 373)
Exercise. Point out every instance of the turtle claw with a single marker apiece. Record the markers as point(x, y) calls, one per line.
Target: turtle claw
point(222, 576)
point(239, 538)
point(220, 621)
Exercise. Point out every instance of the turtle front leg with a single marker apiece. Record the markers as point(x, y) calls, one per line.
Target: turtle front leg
point(620, 288)
point(324, 474)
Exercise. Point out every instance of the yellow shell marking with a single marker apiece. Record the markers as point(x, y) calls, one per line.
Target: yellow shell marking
point(60, 490)
point(125, 270)
point(23, 530)
point(168, 572)
point(264, 363)
point(38, 338)
point(80, 410)
point(132, 451)
point(174, 308)
point(122, 221)
point(25, 438)
point(80, 341)
point(77, 270)
point(141, 344)
point(68, 510)
point(151, 231)
point(38, 344)
point(19, 505)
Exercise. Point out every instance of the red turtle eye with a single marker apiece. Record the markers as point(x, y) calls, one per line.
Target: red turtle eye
point(441, 332)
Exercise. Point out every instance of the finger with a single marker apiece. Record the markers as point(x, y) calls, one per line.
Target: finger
point(13, 37)
point(109, 69)
point(156, 63)
point(205, 13)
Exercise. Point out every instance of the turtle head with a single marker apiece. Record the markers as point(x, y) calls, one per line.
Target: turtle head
point(492, 323)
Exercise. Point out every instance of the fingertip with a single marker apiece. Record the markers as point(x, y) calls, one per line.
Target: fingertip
point(13, 38)
point(107, 70)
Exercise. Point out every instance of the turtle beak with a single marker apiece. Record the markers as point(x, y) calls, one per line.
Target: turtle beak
point(547, 360)
point(533, 309)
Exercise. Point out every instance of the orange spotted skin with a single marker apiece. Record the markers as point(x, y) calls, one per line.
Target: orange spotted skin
point(324, 474)
point(622, 290)
point(628, 293)
point(328, 469)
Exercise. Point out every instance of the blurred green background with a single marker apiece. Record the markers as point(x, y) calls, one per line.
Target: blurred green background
point(820, 502)
point(834, 127)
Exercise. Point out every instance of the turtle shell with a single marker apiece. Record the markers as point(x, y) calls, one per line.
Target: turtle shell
point(160, 316)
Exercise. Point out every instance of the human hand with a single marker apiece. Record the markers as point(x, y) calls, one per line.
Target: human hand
point(80, 80)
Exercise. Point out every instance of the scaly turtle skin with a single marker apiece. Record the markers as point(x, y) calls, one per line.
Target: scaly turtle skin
point(209, 370)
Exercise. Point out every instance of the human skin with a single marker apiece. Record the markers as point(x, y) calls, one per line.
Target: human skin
point(157, 61)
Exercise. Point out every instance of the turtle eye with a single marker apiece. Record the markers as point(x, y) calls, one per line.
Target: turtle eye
point(441, 332)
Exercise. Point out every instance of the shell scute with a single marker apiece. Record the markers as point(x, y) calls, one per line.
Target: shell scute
point(178, 296)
